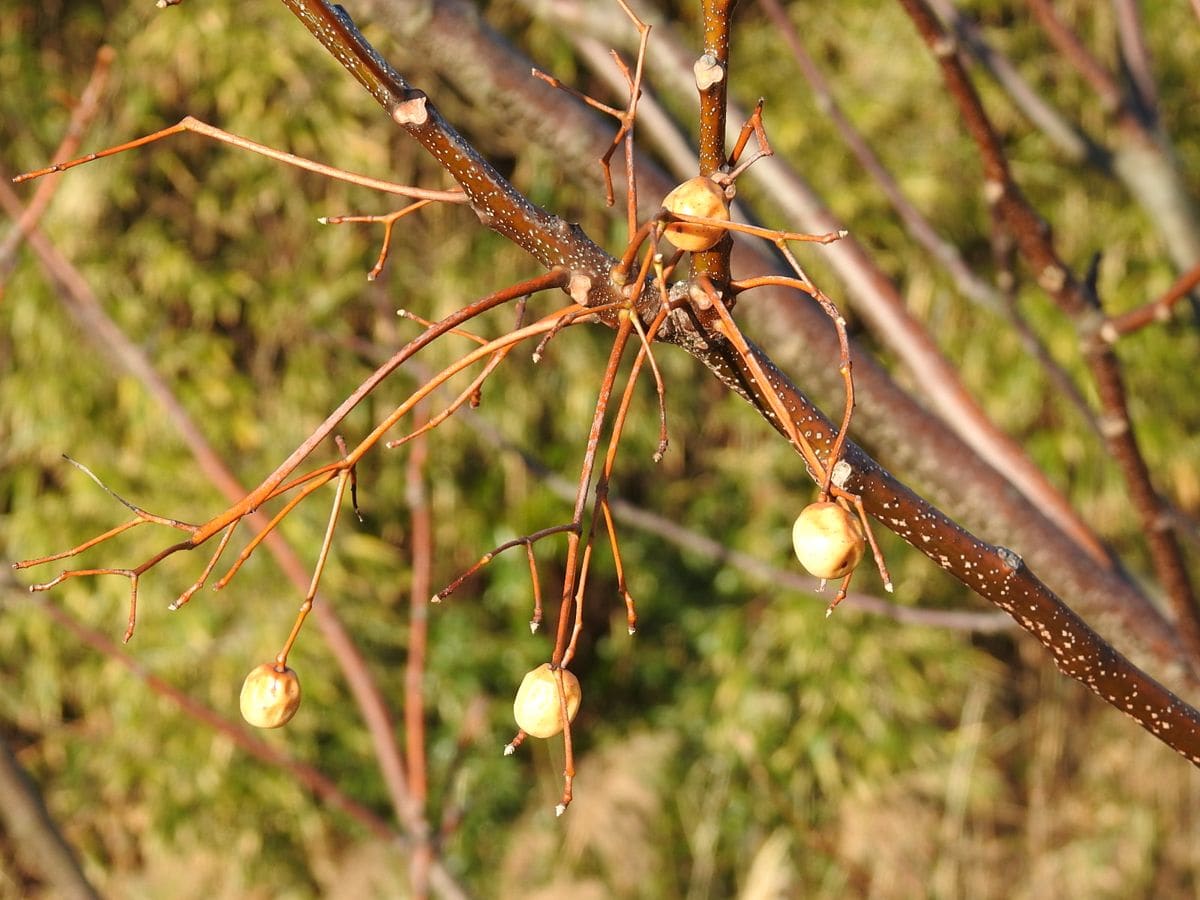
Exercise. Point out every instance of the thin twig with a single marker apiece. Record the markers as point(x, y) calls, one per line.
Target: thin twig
point(194, 125)
point(421, 566)
point(82, 115)
point(1155, 311)
point(95, 325)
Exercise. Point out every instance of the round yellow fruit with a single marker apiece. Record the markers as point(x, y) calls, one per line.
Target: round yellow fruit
point(537, 708)
point(828, 540)
point(699, 196)
point(270, 696)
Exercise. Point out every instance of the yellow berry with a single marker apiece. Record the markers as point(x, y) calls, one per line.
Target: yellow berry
point(270, 696)
point(699, 196)
point(828, 540)
point(537, 708)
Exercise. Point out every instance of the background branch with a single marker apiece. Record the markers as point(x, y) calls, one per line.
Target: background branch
point(83, 306)
point(39, 843)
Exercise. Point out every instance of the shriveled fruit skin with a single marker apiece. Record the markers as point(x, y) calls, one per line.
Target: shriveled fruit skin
point(828, 540)
point(699, 196)
point(270, 697)
point(537, 708)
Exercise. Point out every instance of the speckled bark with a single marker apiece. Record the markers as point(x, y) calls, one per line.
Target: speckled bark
point(994, 572)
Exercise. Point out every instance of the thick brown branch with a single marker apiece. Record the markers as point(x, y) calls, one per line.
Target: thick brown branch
point(549, 239)
point(878, 301)
point(1000, 575)
point(995, 573)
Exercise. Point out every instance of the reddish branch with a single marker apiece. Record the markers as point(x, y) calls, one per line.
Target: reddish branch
point(1158, 310)
point(83, 306)
point(994, 572)
point(878, 301)
point(584, 270)
point(414, 665)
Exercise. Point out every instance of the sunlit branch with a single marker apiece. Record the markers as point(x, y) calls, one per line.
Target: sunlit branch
point(527, 541)
point(189, 123)
point(389, 220)
point(318, 569)
point(585, 475)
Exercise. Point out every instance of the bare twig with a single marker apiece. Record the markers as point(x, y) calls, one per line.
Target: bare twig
point(189, 123)
point(1156, 311)
point(81, 303)
point(421, 519)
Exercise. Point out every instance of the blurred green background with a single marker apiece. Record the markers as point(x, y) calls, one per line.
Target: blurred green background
point(740, 744)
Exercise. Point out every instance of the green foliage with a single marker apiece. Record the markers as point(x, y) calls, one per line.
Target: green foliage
point(740, 737)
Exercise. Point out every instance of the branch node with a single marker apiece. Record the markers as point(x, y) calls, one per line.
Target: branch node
point(1009, 557)
point(699, 297)
point(579, 287)
point(411, 111)
point(1112, 426)
point(708, 71)
point(842, 471)
point(945, 46)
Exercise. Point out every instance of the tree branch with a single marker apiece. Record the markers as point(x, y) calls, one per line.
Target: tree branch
point(994, 572)
point(1076, 299)
point(34, 834)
